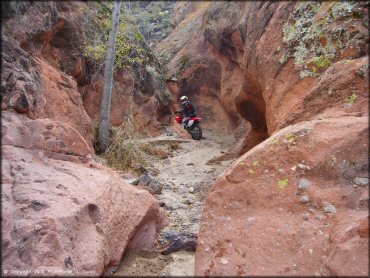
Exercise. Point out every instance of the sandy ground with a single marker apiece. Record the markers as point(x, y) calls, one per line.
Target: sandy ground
point(186, 179)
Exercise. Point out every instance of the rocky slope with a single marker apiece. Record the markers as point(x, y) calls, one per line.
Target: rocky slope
point(185, 178)
point(62, 212)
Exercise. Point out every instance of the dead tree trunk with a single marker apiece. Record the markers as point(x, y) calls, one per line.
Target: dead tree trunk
point(104, 124)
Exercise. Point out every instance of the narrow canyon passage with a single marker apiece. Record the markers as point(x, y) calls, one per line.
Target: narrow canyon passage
point(186, 177)
point(278, 185)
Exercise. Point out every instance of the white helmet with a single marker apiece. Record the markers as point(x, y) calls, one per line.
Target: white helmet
point(184, 99)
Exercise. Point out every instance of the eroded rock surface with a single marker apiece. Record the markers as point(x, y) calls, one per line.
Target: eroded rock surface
point(62, 211)
point(253, 217)
point(311, 98)
point(57, 40)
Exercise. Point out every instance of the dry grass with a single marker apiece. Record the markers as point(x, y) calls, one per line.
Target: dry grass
point(152, 149)
point(173, 146)
point(124, 152)
point(128, 150)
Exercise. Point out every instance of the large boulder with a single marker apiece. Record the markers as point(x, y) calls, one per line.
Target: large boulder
point(290, 205)
point(62, 213)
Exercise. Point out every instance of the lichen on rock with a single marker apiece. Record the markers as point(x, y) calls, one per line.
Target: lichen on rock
point(315, 34)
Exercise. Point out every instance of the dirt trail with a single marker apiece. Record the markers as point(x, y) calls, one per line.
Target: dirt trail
point(186, 179)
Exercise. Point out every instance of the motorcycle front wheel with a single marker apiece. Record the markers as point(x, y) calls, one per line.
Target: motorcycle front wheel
point(196, 132)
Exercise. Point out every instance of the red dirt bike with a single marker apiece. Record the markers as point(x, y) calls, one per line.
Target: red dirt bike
point(192, 127)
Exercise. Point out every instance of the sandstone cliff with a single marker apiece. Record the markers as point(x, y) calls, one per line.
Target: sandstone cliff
point(62, 212)
point(293, 204)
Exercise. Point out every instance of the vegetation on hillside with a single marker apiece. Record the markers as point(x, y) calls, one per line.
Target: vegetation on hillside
point(131, 48)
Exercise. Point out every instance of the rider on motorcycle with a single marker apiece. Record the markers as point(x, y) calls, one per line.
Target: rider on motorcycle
point(187, 110)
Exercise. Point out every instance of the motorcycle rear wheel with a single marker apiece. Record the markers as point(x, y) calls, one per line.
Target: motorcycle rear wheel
point(196, 132)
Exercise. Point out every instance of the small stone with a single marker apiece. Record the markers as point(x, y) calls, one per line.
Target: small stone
point(281, 172)
point(303, 183)
point(310, 251)
point(133, 181)
point(224, 261)
point(182, 190)
point(171, 206)
point(304, 199)
point(306, 216)
point(188, 202)
point(329, 208)
point(191, 190)
point(37, 227)
point(303, 166)
point(361, 181)
point(147, 181)
point(178, 241)
point(251, 221)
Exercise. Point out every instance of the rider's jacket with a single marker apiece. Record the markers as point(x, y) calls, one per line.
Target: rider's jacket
point(188, 109)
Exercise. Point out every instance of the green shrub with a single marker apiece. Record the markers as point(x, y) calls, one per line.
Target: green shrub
point(351, 99)
point(130, 45)
point(321, 62)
